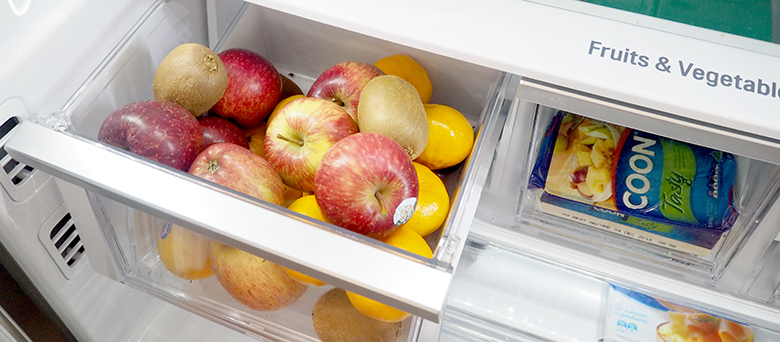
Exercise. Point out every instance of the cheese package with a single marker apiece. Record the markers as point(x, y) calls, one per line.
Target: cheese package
point(634, 183)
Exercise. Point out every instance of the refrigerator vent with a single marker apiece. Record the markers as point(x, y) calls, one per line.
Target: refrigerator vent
point(16, 178)
point(67, 240)
point(61, 239)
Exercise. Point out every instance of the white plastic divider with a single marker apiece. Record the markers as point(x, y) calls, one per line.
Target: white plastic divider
point(657, 68)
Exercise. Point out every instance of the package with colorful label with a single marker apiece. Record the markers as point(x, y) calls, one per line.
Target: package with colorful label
point(634, 183)
point(631, 316)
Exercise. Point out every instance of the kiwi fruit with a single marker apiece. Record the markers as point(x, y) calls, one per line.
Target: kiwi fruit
point(390, 105)
point(192, 76)
point(336, 320)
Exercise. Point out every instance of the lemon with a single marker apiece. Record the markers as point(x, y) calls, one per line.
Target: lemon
point(281, 104)
point(408, 240)
point(450, 137)
point(376, 310)
point(306, 205)
point(410, 70)
point(433, 202)
point(256, 138)
point(184, 252)
point(302, 278)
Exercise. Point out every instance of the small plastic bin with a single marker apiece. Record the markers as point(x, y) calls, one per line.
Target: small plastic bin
point(528, 209)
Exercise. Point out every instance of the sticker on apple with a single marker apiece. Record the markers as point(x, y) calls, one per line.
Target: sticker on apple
point(166, 229)
point(404, 211)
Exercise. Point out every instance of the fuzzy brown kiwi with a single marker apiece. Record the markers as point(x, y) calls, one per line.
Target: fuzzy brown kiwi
point(390, 105)
point(336, 320)
point(191, 75)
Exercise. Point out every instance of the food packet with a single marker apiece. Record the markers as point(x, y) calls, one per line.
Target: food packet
point(632, 316)
point(634, 183)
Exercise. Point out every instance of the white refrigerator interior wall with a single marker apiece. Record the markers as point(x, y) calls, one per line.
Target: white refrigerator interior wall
point(525, 298)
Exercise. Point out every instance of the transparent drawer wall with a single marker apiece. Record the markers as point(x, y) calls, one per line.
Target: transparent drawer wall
point(731, 266)
point(537, 299)
point(132, 198)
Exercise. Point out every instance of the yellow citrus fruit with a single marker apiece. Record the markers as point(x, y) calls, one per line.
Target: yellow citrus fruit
point(281, 104)
point(376, 310)
point(450, 137)
point(306, 205)
point(302, 278)
point(433, 202)
point(408, 240)
point(184, 252)
point(256, 138)
point(290, 195)
point(410, 70)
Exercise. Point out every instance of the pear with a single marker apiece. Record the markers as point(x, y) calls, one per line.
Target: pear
point(390, 105)
point(253, 281)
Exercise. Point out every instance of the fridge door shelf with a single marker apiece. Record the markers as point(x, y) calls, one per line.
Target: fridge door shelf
point(132, 197)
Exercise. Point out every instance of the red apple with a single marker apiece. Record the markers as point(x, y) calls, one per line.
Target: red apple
point(239, 169)
point(343, 83)
point(366, 183)
point(254, 87)
point(217, 130)
point(253, 281)
point(158, 130)
point(300, 134)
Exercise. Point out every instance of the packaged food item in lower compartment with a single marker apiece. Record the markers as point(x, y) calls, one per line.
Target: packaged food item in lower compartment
point(639, 185)
point(631, 316)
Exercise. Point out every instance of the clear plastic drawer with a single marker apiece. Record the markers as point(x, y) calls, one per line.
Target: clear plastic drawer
point(130, 200)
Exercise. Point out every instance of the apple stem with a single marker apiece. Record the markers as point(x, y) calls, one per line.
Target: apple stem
point(381, 200)
point(337, 101)
point(299, 142)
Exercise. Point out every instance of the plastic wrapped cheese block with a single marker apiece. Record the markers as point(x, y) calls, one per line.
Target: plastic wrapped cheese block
point(634, 183)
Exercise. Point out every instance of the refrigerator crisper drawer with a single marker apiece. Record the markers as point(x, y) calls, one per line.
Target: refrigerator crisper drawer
point(584, 170)
point(132, 198)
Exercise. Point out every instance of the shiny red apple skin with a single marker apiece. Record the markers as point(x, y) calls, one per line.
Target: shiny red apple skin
point(217, 130)
point(240, 169)
point(157, 130)
point(299, 136)
point(254, 87)
point(366, 183)
point(343, 83)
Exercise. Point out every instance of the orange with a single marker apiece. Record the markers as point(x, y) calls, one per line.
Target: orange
point(306, 205)
point(450, 137)
point(433, 202)
point(410, 70)
point(408, 240)
point(281, 104)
